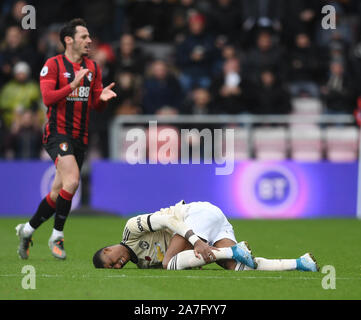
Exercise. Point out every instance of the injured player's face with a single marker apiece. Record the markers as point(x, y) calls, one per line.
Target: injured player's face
point(115, 257)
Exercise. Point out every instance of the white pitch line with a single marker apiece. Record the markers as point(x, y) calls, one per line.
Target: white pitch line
point(225, 278)
point(179, 276)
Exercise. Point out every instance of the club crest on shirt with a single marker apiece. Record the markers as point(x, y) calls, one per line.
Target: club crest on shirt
point(90, 76)
point(63, 146)
point(66, 74)
point(144, 245)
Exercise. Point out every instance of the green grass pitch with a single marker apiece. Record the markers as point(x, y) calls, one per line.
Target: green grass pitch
point(333, 242)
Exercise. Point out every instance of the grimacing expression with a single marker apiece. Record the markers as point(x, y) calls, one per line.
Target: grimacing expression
point(115, 257)
point(81, 41)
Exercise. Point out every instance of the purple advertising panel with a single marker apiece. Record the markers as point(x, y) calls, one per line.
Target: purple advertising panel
point(23, 184)
point(281, 190)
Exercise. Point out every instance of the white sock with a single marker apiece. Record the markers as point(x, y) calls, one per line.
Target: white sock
point(187, 259)
point(274, 264)
point(56, 234)
point(28, 229)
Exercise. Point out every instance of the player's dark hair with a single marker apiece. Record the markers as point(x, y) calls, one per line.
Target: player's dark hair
point(97, 260)
point(69, 29)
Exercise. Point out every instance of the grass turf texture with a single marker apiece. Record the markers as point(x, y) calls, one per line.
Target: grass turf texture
point(333, 242)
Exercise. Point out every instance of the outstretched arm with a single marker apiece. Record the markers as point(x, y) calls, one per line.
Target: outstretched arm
point(158, 221)
point(101, 95)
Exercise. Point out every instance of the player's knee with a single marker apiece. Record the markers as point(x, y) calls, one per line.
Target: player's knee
point(71, 184)
point(55, 191)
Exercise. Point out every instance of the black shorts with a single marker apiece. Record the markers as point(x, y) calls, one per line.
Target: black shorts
point(63, 145)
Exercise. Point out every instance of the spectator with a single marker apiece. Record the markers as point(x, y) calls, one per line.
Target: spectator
point(99, 17)
point(161, 91)
point(195, 55)
point(338, 91)
point(13, 50)
point(104, 56)
point(200, 102)
point(355, 62)
point(265, 55)
point(128, 56)
point(49, 44)
point(228, 51)
point(150, 20)
point(128, 90)
point(59, 11)
point(181, 13)
point(269, 96)
point(226, 19)
point(299, 15)
point(260, 14)
point(303, 68)
point(128, 107)
point(343, 32)
point(25, 140)
point(229, 89)
point(19, 94)
point(14, 18)
point(178, 29)
point(119, 17)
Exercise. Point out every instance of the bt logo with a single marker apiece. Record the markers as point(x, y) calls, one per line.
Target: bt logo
point(272, 188)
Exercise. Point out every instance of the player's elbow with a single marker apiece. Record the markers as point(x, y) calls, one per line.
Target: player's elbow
point(165, 262)
point(46, 99)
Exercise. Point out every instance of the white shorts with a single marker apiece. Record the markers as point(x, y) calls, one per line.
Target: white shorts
point(208, 222)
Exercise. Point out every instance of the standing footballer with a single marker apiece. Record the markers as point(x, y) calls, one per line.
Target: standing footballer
point(71, 84)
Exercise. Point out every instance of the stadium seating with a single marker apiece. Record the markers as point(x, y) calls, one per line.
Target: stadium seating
point(306, 106)
point(124, 145)
point(306, 143)
point(164, 144)
point(270, 143)
point(342, 143)
point(241, 144)
point(298, 142)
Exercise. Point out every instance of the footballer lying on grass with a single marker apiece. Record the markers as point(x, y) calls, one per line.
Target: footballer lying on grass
point(187, 236)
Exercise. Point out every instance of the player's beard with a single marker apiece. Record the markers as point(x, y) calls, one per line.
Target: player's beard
point(86, 53)
point(83, 52)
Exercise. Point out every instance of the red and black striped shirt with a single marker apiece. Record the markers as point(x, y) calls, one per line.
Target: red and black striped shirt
point(68, 110)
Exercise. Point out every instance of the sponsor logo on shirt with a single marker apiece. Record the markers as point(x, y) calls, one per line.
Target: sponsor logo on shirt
point(79, 94)
point(139, 224)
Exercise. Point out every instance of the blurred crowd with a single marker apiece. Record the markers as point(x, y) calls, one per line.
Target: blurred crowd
point(182, 57)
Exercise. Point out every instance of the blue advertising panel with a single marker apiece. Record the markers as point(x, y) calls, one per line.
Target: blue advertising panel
point(23, 184)
point(253, 190)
